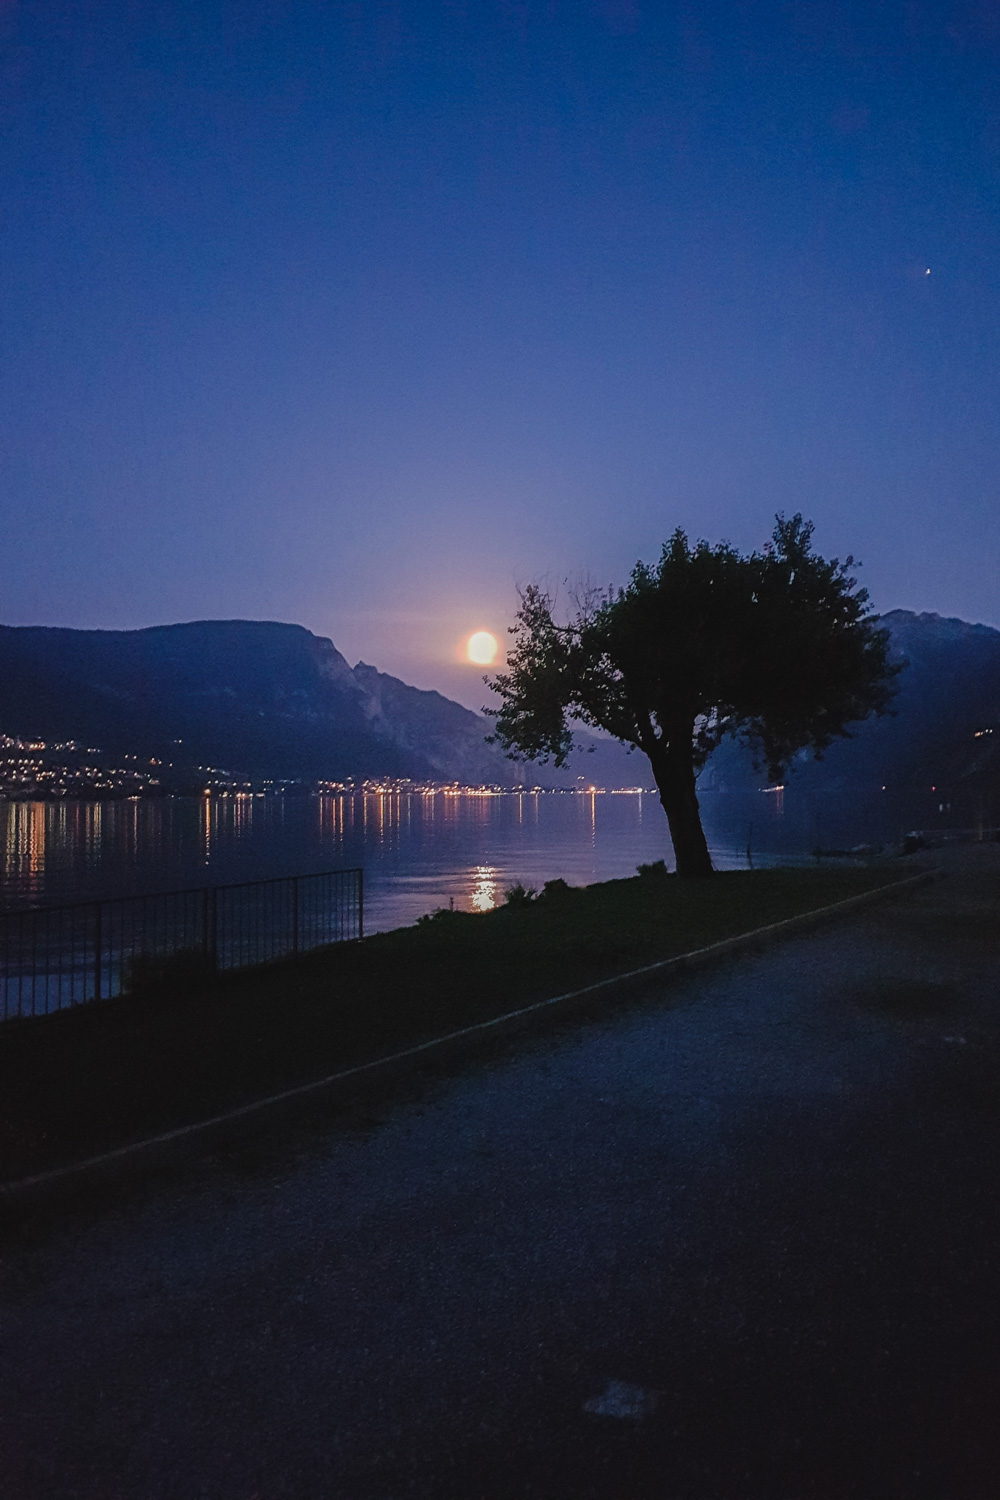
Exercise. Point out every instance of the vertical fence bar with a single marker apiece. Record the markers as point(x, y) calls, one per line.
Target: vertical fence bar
point(210, 926)
point(98, 945)
point(213, 929)
point(34, 965)
point(46, 954)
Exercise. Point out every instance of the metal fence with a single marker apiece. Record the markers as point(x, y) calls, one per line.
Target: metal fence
point(55, 957)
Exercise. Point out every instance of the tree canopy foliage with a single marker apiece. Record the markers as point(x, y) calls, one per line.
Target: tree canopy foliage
point(778, 648)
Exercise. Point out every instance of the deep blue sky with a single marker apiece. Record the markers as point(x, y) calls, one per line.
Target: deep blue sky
point(357, 314)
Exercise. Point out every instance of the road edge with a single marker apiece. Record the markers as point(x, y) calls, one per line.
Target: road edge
point(160, 1149)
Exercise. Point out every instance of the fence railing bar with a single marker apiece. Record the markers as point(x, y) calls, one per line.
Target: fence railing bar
point(190, 890)
point(59, 956)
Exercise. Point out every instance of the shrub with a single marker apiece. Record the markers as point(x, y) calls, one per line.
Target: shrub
point(655, 871)
point(175, 974)
point(520, 895)
point(437, 916)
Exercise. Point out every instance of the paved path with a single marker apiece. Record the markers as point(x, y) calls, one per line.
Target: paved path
point(742, 1242)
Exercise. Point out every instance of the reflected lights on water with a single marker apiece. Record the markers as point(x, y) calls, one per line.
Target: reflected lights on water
point(484, 893)
point(24, 839)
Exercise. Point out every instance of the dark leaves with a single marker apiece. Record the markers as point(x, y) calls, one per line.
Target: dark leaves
point(778, 648)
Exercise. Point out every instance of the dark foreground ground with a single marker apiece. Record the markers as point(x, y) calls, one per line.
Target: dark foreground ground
point(191, 1045)
point(740, 1243)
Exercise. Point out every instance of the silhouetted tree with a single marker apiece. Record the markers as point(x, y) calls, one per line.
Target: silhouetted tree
point(778, 649)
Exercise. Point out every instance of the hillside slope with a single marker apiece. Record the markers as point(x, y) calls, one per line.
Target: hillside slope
point(255, 697)
point(944, 727)
point(273, 700)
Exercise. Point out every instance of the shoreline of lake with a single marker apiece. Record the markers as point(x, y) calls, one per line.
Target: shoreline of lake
point(420, 851)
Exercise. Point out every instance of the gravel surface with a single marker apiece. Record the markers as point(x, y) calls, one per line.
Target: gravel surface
point(737, 1240)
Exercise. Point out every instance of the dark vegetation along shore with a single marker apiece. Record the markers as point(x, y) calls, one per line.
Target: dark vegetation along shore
point(187, 1046)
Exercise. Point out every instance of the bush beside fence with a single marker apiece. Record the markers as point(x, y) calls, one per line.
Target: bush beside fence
point(52, 958)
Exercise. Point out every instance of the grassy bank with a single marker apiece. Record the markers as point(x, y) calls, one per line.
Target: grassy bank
point(100, 1076)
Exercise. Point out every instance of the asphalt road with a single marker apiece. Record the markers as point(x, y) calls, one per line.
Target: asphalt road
point(739, 1240)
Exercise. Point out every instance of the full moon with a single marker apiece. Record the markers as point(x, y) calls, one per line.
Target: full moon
point(482, 647)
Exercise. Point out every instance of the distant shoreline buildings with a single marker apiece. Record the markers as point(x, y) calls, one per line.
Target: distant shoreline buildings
point(39, 770)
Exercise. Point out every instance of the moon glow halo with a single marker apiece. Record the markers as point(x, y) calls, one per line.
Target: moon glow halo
point(482, 647)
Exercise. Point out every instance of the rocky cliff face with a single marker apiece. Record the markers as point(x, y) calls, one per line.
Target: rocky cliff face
point(428, 725)
point(256, 698)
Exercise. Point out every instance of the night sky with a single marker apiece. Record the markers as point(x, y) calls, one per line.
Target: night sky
point(359, 314)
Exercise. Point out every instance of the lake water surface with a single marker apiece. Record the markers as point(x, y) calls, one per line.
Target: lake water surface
point(418, 852)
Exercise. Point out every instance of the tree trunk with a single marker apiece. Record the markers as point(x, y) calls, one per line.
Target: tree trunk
point(673, 769)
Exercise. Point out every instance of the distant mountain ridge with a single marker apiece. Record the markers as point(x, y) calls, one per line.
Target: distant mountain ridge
point(273, 700)
point(257, 698)
point(944, 725)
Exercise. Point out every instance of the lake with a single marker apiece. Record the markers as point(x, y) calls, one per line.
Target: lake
point(418, 851)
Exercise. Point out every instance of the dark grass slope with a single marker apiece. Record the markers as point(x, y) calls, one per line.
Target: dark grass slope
point(92, 1079)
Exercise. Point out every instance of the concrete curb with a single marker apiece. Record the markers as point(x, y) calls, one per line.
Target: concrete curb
point(160, 1149)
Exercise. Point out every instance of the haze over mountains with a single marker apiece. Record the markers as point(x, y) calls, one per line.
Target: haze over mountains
point(272, 700)
point(944, 728)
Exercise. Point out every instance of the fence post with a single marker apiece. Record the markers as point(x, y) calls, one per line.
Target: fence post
point(98, 945)
point(209, 925)
point(132, 920)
